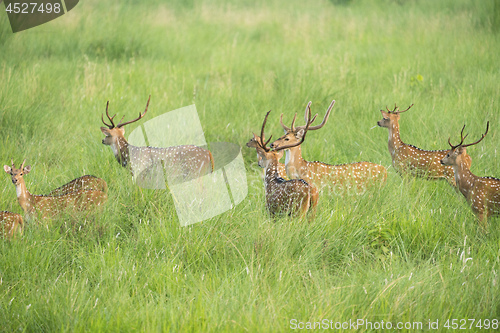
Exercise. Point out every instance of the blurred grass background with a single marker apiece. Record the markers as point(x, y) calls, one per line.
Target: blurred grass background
point(409, 252)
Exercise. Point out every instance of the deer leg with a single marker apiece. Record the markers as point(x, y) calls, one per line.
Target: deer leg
point(304, 206)
point(314, 197)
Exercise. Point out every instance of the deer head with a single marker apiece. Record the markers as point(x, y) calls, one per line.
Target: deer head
point(267, 155)
point(455, 155)
point(114, 132)
point(390, 116)
point(295, 134)
point(17, 174)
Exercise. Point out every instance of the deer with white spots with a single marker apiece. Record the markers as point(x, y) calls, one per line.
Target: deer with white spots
point(340, 179)
point(180, 162)
point(289, 197)
point(10, 224)
point(255, 143)
point(410, 160)
point(482, 193)
point(87, 182)
point(51, 206)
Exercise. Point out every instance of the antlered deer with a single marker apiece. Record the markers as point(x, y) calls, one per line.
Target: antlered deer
point(341, 178)
point(50, 206)
point(179, 162)
point(482, 193)
point(410, 160)
point(10, 223)
point(292, 197)
point(255, 143)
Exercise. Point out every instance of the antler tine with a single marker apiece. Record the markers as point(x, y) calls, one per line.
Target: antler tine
point(110, 118)
point(405, 110)
point(13, 166)
point(286, 128)
point(301, 140)
point(22, 165)
point(482, 137)
point(293, 122)
point(306, 111)
point(395, 107)
point(307, 117)
point(138, 118)
point(462, 138)
point(262, 144)
point(325, 119)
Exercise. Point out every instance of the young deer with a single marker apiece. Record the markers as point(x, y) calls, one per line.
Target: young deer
point(87, 182)
point(482, 193)
point(255, 143)
point(51, 206)
point(182, 162)
point(408, 159)
point(10, 223)
point(292, 197)
point(343, 177)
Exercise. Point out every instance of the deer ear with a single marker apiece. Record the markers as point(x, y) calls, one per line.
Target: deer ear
point(461, 150)
point(7, 168)
point(300, 133)
point(27, 169)
point(105, 131)
point(384, 114)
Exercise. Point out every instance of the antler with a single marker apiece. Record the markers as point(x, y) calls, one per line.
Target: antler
point(110, 118)
point(140, 116)
point(120, 124)
point(396, 108)
point(263, 144)
point(325, 119)
point(288, 129)
point(303, 136)
point(463, 138)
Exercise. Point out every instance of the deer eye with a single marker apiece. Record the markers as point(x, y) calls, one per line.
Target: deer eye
point(287, 139)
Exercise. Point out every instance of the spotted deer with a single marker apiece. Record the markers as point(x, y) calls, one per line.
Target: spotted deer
point(10, 224)
point(410, 160)
point(87, 182)
point(482, 193)
point(179, 162)
point(51, 206)
point(341, 179)
point(290, 197)
point(255, 143)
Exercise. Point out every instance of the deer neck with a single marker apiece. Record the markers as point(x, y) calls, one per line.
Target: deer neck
point(464, 178)
point(121, 151)
point(394, 139)
point(24, 197)
point(272, 174)
point(294, 162)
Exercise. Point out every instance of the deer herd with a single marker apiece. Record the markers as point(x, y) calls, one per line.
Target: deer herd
point(291, 189)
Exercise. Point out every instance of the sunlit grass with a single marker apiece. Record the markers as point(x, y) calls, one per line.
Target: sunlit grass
point(411, 251)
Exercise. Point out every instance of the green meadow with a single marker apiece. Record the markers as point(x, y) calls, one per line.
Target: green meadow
point(411, 252)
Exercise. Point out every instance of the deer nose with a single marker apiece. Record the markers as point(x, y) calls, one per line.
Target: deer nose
point(14, 181)
point(441, 162)
point(273, 145)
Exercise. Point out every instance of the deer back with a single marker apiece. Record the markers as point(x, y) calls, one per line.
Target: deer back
point(10, 224)
point(86, 182)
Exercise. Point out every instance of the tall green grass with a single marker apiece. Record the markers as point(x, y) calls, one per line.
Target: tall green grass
point(411, 251)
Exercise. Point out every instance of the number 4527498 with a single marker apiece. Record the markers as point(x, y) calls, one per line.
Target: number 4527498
point(471, 324)
point(33, 8)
